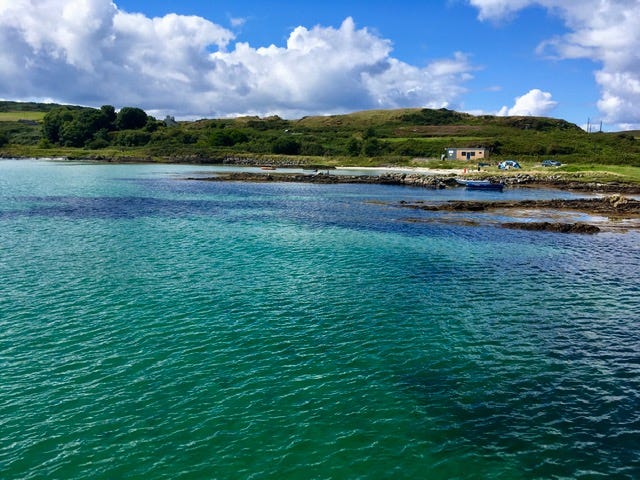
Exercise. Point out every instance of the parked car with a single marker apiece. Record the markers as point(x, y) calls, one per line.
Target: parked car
point(507, 164)
point(550, 163)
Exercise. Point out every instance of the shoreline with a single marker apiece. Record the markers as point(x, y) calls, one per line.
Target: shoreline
point(616, 211)
point(415, 170)
point(426, 178)
point(389, 175)
point(620, 212)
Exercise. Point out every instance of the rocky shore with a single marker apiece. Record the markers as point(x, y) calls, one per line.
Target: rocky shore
point(561, 182)
point(323, 176)
point(615, 207)
point(417, 180)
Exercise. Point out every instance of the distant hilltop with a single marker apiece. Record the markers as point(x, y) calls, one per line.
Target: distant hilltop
point(372, 137)
point(415, 116)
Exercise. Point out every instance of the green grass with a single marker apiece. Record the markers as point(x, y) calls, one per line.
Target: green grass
point(405, 137)
point(457, 139)
point(16, 116)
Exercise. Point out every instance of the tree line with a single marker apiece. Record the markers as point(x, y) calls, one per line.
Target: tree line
point(131, 127)
point(96, 128)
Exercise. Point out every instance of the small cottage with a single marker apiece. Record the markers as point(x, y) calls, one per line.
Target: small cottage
point(466, 153)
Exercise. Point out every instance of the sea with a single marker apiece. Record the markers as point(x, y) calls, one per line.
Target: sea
point(157, 326)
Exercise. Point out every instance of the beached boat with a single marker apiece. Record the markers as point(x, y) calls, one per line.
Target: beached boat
point(481, 185)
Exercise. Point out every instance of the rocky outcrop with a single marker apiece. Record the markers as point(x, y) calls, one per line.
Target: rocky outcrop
point(557, 227)
point(561, 182)
point(428, 181)
point(615, 205)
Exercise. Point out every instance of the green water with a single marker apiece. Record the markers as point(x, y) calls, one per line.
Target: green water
point(154, 327)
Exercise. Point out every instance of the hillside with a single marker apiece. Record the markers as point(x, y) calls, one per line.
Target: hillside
point(372, 137)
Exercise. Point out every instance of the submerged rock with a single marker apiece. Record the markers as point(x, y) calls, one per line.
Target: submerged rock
point(553, 227)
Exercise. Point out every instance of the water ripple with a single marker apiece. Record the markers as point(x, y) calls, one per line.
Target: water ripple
point(192, 336)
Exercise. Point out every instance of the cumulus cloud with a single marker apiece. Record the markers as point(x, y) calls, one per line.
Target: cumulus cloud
point(603, 31)
point(91, 52)
point(534, 103)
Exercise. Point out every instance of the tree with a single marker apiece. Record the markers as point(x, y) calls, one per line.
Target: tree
point(81, 129)
point(53, 121)
point(131, 118)
point(4, 139)
point(286, 146)
point(369, 133)
point(354, 147)
point(372, 147)
point(227, 137)
point(110, 115)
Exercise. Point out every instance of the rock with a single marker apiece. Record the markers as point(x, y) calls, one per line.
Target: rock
point(553, 227)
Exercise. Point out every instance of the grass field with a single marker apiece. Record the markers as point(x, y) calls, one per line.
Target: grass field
point(433, 139)
point(15, 116)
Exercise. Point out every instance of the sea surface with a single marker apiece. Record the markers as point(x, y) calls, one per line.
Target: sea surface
point(156, 327)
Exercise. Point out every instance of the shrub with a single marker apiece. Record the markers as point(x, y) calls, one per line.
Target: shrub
point(286, 146)
point(312, 149)
point(227, 138)
point(372, 147)
point(132, 138)
point(354, 147)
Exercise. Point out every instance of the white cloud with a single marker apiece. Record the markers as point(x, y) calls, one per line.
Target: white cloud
point(237, 21)
point(535, 103)
point(91, 52)
point(606, 32)
point(496, 9)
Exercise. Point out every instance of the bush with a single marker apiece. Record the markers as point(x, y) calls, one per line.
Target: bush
point(172, 136)
point(372, 147)
point(44, 143)
point(354, 147)
point(428, 116)
point(132, 138)
point(286, 146)
point(312, 149)
point(227, 138)
point(97, 144)
point(559, 149)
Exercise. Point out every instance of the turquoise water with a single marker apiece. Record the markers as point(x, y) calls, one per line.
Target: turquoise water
point(155, 327)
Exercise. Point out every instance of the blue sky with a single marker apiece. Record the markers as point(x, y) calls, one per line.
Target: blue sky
point(196, 58)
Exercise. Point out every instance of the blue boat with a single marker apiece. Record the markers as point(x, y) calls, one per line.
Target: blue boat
point(482, 185)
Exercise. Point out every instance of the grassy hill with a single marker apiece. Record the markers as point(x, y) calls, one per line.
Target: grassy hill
point(412, 136)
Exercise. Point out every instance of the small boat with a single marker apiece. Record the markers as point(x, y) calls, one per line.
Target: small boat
point(268, 167)
point(482, 185)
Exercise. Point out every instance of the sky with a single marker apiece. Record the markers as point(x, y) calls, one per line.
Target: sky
point(573, 59)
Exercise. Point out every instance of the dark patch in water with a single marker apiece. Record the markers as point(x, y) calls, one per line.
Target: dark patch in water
point(545, 414)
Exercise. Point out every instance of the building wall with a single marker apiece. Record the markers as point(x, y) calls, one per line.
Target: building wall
point(466, 153)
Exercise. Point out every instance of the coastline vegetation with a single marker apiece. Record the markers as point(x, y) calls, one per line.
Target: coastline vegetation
point(404, 137)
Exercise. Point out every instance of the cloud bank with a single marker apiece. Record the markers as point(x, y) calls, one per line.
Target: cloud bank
point(606, 32)
point(91, 52)
point(534, 103)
